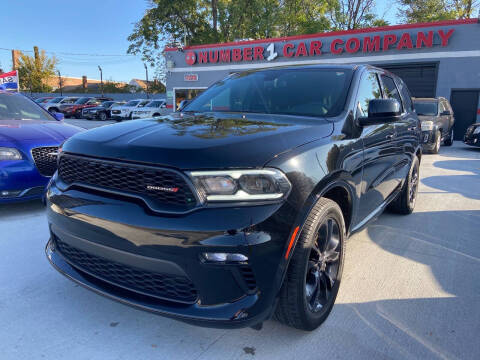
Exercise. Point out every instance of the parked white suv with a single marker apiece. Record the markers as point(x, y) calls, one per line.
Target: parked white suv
point(125, 111)
point(153, 109)
point(53, 105)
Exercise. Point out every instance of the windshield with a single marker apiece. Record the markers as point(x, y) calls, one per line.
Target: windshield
point(107, 104)
point(17, 107)
point(426, 107)
point(56, 100)
point(82, 100)
point(132, 103)
point(154, 104)
point(304, 92)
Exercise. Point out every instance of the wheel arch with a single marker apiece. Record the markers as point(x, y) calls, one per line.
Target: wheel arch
point(335, 187)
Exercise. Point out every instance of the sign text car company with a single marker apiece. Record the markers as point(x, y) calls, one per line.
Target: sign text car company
point(315, 47)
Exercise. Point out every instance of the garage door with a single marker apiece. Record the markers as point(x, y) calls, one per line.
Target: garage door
point(421, 79)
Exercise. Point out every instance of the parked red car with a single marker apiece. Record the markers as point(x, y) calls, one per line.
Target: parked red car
point(76, 108)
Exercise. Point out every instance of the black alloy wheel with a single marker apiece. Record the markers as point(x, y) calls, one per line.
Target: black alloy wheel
point(413, 186)
point(313, 275)
point(323, 265)
point(406, 199)
point(103, 116)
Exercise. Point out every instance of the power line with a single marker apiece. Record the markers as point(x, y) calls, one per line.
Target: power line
point(74, 54)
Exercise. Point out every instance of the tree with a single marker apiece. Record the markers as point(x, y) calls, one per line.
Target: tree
point(414, 11)
point(355, 14)
point(305, 16)
point(35, 70)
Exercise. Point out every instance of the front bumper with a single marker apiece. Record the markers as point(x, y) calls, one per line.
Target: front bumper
point(127, 234)
point(21, 181)
point(472, 139)
point(429, 138)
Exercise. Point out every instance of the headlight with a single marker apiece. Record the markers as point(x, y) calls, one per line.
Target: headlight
point(9, 154)
point(477, 130)
point(241, 185)
point(427, 125)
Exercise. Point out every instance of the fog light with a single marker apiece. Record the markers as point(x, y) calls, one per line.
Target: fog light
point(224, 257)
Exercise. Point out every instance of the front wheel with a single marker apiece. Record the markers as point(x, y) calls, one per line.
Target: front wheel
point(313, 276)
point(438, 141)
point(102, 116)
point(405, 201)
point(449, 141)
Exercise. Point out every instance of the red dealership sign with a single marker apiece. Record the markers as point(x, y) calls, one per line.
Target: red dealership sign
point(314, 48)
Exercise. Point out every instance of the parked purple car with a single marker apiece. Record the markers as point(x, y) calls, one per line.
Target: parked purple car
point(29, 141)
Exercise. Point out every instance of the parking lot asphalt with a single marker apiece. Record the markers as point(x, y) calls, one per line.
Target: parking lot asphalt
point(410, 290)
point(88, 124)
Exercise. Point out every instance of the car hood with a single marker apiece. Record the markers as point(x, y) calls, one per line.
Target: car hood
point(16, 131)
point(201, 141)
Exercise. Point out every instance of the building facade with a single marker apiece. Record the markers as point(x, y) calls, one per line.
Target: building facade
point(434, 59)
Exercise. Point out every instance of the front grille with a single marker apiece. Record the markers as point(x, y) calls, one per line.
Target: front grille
point(164, 286)
point(45, 159)
point(152, 184)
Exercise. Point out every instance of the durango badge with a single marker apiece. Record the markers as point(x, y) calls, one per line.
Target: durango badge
point(162, 188)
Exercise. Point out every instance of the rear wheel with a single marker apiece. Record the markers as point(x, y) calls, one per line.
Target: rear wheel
point(405, 201)
point(449, 140)
point(313, 276)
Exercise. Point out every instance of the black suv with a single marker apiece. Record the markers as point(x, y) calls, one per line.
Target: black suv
point(436, 116)
point(237, 208)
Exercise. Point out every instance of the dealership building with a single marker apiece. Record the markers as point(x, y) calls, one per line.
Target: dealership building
point(434, 59)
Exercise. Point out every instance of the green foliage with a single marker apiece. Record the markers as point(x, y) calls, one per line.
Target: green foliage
point(192, 22)
point(414, 11)
point(35, 70)
point(156, 87)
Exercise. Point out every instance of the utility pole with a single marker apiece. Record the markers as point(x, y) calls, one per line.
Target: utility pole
point(146, 75)
point(101, 78)
point(60, 82)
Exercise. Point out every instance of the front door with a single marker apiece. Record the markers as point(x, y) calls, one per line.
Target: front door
point(379, 151)
point(464, 104)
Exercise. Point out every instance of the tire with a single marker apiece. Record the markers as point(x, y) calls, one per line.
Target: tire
point(130, 116)
point(297, 305)
point(102, 116)
point(438, 140)
point(156, 114)
point(449, 141)
point(405, 201)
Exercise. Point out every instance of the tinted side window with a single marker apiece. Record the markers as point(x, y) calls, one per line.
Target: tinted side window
point(369, 89)
point(407, 99)
point(390, 89)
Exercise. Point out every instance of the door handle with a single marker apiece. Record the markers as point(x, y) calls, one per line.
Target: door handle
point(412, 128)
point(390, 136)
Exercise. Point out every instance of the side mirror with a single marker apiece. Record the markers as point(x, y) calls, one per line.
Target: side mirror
point(445, 113)
point(381, 111)
point(58, 116)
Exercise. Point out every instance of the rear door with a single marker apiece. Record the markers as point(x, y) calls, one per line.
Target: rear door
point(379, 150)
